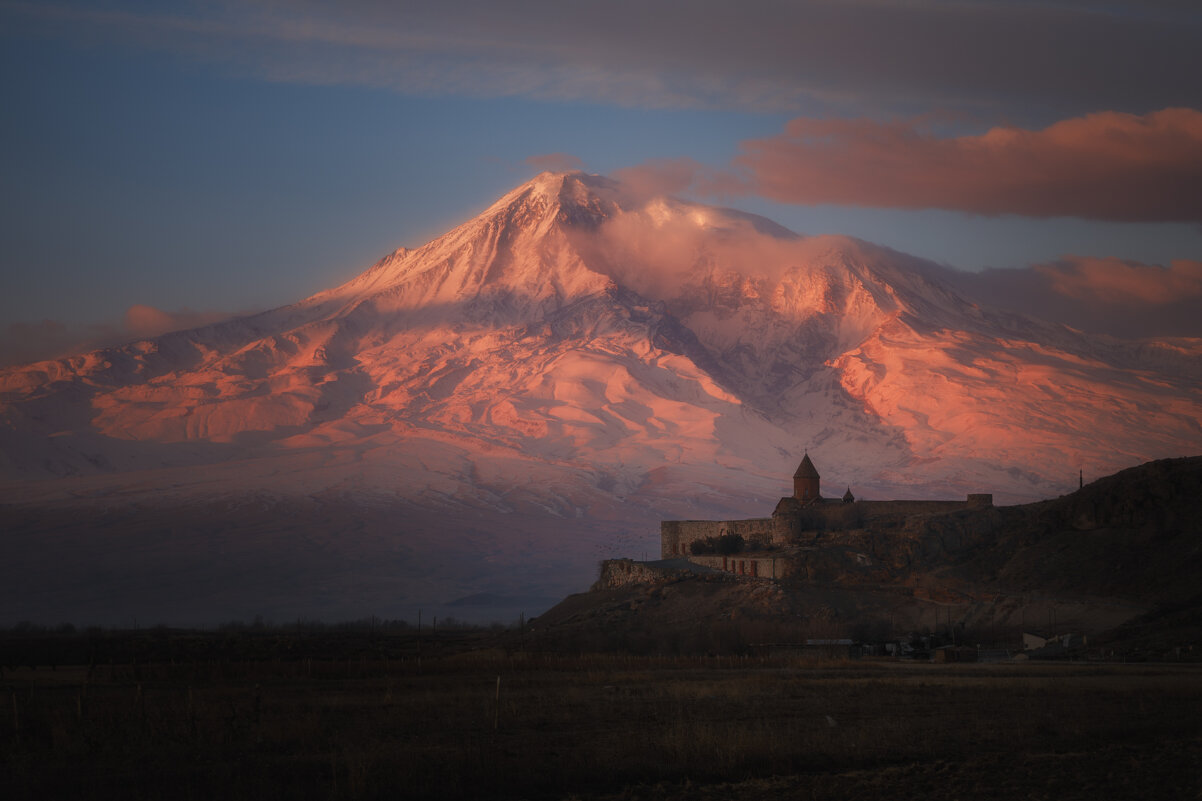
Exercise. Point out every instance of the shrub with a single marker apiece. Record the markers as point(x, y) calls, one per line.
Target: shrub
point(725, 544)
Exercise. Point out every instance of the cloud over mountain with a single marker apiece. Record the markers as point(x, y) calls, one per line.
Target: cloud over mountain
point(23, 342)
point(554, 162)
point(1101, 295)
point(1106, 166)
point(1119, 282)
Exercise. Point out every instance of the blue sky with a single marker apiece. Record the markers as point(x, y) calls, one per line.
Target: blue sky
point(215, 157)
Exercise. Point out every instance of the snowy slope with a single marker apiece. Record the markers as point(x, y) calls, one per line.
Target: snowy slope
point(583, 362)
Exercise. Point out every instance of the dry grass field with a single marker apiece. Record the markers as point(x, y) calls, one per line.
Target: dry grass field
point(271, 720)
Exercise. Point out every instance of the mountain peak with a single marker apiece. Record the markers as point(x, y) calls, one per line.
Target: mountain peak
point(574, 197)
point(825, 337)
point(515, 257)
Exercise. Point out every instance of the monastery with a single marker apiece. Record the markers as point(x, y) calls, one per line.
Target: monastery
point(749, 547)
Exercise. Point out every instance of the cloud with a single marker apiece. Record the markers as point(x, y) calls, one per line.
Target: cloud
point(146, 321)
point(1104, 166)
point(666, 177)
point(1100, 295)
point(662, 245)
point(1119, 282)
point(825, 55)
point(25, 342)
point(555, 162)
point(667, 244)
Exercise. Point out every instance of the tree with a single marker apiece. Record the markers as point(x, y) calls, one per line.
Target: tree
point(725, 544)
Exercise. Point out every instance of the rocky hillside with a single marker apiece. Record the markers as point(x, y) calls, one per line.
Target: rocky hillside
point(1124, 551)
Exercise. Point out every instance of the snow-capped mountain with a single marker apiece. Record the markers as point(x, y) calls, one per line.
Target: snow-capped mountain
point(576, 363)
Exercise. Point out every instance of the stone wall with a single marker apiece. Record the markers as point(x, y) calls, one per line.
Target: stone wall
point(620, 572)
point(756, 566)
point(797, 524)
point(676, 536)
point(900, 509)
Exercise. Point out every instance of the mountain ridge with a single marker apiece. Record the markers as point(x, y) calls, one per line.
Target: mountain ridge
point(583, 353)
point(828, 312)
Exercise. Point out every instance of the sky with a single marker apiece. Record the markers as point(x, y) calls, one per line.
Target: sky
point(166, 164)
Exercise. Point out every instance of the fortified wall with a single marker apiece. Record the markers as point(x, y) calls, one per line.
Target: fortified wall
point(797, 520)
point(755, 565)
point(622, 572)
point(677, 536)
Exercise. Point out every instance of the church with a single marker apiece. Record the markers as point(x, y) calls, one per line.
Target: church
point(797, 519)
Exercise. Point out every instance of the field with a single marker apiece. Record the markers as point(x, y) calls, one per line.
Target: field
point(389, 715)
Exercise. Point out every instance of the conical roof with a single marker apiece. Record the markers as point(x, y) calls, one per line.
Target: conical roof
point(806, 469)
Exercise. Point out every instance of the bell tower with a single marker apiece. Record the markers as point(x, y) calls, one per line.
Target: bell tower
point(805, 481)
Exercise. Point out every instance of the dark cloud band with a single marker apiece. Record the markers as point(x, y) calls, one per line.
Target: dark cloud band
point(1025, 61)
point(1103, 166)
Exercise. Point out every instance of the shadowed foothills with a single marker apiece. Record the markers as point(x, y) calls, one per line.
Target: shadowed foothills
point(912, 672)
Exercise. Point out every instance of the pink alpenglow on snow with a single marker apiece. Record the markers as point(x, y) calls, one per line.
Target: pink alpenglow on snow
point(578, 320)
point(540, 386)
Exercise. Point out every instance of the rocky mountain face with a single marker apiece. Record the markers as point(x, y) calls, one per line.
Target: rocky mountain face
point(573, 365)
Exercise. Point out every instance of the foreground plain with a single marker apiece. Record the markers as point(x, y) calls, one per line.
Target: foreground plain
point(271, 716)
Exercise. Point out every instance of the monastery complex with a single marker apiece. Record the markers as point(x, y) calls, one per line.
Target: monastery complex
point(754, 547)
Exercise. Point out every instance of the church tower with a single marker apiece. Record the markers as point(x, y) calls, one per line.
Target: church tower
point(805, 481)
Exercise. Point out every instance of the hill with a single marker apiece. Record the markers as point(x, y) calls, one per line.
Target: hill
point(1121, 558)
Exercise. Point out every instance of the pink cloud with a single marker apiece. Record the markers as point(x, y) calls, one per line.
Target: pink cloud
point(555, 162)
point(25, 342)
point(141, 322)
point(147, 321)
point(659, 177)
point(1106, 166)
point(667, 177)
point(1101, 295)
point(1115, 281)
